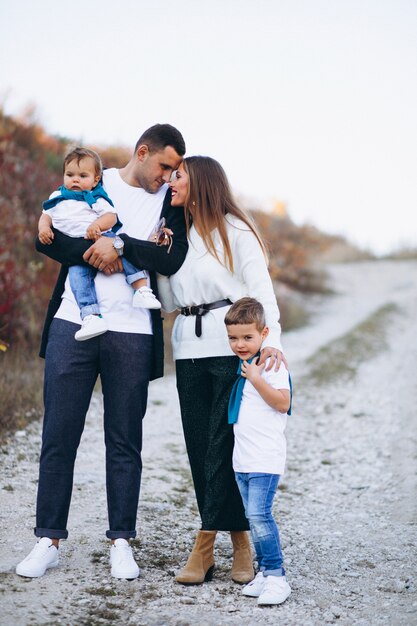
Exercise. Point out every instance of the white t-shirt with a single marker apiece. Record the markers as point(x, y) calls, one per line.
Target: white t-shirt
point(73, 217)
point(260, 444)
point(202, 279)
point(139, 212)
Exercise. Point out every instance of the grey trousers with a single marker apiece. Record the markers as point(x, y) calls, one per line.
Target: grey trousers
point(204, 387)
point(123, 362)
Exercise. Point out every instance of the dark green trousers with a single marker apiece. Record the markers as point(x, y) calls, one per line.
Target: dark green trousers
point(204, 387)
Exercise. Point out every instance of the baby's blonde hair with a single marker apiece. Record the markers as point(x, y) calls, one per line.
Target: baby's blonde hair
point(77, 154)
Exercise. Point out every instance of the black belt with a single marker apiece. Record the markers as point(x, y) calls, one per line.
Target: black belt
point(201, 309)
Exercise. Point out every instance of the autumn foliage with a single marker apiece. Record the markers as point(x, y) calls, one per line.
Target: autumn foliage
point(30, 168)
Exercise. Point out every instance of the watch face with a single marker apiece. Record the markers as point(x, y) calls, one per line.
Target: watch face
point(118, 243)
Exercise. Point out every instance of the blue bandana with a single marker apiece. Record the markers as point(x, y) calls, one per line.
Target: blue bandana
point(237, 392)
point(88, 196)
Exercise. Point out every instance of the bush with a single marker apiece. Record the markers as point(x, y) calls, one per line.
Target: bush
point(30, 168)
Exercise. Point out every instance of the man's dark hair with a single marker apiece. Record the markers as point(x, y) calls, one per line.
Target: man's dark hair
point(161, 135)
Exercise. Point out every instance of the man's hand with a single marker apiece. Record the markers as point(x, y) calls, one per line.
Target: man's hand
point(276, 358)
point(252, 371)
point(114, 268)
point(46, 235)
point(101, 253)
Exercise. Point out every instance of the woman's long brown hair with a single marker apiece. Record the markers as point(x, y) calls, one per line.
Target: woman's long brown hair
point(209, 200)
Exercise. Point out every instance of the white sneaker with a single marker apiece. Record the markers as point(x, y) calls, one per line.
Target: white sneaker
point(254, 588)
point(43, 556)
point(144, 298)
point(123, 565)
point(276, 590)
point(91, 326)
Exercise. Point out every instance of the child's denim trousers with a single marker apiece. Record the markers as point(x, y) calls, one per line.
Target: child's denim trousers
point(81, 279)
point(257, 491)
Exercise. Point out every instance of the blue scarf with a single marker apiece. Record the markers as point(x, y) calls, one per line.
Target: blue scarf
point(237, 392)
point(88, 196)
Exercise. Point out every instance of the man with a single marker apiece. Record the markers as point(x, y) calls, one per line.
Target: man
point(126, 357)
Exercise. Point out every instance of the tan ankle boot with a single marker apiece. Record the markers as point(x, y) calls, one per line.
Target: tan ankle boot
point(200, 564)
point(242, 568)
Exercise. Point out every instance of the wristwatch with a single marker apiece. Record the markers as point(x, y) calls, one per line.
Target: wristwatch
point(118, 245)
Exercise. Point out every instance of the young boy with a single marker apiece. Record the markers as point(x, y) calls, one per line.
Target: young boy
point(258, 408)
point(81, 208)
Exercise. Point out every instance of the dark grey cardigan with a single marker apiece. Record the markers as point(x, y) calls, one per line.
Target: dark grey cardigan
point(143, 254)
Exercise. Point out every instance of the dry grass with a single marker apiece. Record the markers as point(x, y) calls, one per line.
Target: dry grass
point(21, 385)
point(21, 372)
point(340, 359)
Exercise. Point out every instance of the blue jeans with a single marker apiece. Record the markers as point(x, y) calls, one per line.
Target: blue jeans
point(257, 491)
point(123, 361)
point(82, 277)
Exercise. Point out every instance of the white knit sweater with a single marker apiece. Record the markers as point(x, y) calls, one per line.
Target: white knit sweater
point(202, 279)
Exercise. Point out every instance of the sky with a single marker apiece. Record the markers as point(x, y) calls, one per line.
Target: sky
point(308, 102)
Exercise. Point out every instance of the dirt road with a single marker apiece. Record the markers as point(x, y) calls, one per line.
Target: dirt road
point(347, 506)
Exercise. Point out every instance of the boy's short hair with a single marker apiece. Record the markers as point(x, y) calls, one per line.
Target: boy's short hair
point(77, 154)
point(246, 311)
point(159, 136)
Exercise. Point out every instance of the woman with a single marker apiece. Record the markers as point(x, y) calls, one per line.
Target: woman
point(225, 261)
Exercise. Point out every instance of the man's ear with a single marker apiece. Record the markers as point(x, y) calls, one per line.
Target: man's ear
point(265, 333)
point(142, 152)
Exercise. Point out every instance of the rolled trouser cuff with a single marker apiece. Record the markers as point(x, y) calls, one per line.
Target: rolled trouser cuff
point(50, 533)
point(90, 309)
point(121, 534)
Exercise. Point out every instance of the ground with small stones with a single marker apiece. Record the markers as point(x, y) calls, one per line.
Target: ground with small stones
point(347, 506)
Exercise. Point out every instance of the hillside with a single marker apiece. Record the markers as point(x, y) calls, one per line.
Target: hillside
point(30, 168)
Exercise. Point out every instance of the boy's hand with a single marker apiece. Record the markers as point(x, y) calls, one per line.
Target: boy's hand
point(252, 371)
point(46, 235)
point(93, 232)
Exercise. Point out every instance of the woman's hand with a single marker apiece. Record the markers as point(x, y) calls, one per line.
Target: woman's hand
point(276, 358)
point(113, 268)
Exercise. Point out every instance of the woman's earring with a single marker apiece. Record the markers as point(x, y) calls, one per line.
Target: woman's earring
point(193, 203)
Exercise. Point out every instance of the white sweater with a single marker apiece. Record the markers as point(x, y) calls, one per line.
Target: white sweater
point(202, 279)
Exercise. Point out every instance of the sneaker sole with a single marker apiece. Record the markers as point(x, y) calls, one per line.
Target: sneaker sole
point(101, 332)
point(276, 602)
point(20, 571)
point(251, 595)
point(129, 577)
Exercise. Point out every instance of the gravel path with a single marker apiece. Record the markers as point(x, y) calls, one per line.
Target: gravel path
point(347, 506)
